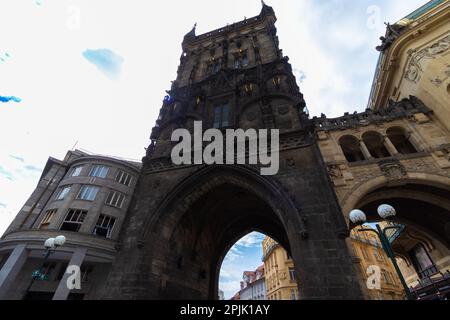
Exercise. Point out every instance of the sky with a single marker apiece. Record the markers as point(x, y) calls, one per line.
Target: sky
point(93, 73)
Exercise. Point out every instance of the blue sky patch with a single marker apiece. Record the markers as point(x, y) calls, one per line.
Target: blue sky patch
point(106, 60)
point(18, 158)
point(6, 99)
point(5, 173)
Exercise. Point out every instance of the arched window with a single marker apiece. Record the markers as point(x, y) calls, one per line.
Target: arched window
point(375, 143)
point(350, 147)
point(399, 139)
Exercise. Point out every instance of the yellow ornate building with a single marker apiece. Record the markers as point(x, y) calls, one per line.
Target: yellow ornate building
point(415, 60)
point(281, 281)
point(371, 255)
point(398, 150)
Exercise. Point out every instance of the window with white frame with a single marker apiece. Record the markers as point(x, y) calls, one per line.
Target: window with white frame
point(76, 171)
point(115, 199)
point(73, 220)
point(104, 226)
point(62, 193)
point(87, 193)
point(99, 171)
point(47, 218)
point(123, 178)
point(292, 274)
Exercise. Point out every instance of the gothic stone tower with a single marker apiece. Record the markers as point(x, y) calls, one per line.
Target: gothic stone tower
point(184, 219)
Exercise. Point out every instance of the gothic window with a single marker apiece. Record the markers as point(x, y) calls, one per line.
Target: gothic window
point(422, 261)
point(375, 143)
point(221, 116)
point(237, 63)
point(241, 59)
point(245, 60)
point(350, 148)
point(399, 139)
point(216, 67)
point(213, 66)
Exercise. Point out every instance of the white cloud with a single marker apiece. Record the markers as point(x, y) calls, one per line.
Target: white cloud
point(245, 255)
point(18, 178)
point(251, 240)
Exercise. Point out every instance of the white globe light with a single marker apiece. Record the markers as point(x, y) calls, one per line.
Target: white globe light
point(386, 211)
point(50, 243)
point(60, 240)
point(357, 216)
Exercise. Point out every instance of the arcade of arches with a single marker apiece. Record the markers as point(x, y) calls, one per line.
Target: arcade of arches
point(399, 157)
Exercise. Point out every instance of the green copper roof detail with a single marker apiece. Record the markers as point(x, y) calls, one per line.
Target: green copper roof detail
point(423, 9)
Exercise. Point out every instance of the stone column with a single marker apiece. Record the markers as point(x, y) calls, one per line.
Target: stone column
point(77, 259)
point(390, 146)
point(364, 150)
point(416, 144)
point(11, 268)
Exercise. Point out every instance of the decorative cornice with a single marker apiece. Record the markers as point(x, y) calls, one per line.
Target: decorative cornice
point(403, 109)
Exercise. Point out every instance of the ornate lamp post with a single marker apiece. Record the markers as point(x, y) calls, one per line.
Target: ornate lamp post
point(50, 246)
point(386, 212)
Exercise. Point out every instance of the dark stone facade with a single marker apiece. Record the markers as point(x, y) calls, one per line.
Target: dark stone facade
point(184, 219)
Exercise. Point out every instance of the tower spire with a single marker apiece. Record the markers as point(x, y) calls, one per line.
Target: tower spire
point(266, 10)
point(191, 34)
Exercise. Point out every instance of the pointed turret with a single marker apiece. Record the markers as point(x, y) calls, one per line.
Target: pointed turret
point(191, 34)
point(266, 10)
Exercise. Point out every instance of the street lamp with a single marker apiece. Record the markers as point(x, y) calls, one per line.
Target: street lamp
point(386, 212)
point(50, 246)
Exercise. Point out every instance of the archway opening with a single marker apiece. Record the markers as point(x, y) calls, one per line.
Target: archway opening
point(421, 243)
point(399, 139)
point(209, 228)
point(375, 144)
point(257, 267)
point(350, 148)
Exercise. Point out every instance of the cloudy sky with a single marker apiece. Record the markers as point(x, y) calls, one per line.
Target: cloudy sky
point(94, 72)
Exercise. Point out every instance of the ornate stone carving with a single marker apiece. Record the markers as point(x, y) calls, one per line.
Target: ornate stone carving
point(335, 172)
point(414, 67)
point(392, 33)
point(413, 71)
point(392, 169)
point(404, 109)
